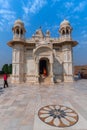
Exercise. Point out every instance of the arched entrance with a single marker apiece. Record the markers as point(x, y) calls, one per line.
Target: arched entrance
point(44, 67)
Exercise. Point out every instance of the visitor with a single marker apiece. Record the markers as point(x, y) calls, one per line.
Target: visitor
point(5, 80)
point(82, 75)
point(79, 75)
point(44, 72)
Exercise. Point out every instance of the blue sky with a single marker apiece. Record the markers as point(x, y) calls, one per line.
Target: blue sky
point(48, 14)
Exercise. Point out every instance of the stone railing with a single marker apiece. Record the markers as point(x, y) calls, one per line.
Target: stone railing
point(17, 37)
point(65, 38)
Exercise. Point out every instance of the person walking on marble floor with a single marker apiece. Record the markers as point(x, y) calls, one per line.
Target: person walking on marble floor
point(5, 80)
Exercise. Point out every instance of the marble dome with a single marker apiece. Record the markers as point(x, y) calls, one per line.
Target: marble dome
point(65, 23)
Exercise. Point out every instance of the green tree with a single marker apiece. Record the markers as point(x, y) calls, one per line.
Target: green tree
point(5, 68)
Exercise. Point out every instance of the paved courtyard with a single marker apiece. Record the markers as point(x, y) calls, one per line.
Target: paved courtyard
point(19, 104)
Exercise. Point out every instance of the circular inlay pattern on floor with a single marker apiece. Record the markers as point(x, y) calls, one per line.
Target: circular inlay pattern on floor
point(58, 115)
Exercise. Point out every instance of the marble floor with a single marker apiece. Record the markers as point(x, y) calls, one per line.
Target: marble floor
point(20, 104)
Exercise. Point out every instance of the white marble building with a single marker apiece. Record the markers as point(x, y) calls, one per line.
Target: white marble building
point(42, 58)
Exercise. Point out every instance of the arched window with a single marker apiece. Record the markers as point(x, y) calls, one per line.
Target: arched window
point(17, 31)
point(67, 31)
point(21, 31)
point(63, 32)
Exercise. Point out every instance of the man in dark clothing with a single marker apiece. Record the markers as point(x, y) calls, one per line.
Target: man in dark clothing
point(5, 80)
point(79, 75)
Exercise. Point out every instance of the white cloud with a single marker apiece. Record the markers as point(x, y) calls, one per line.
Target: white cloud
point(26, 7)
point(33, 7)
point(84, 34)
point(1, 23)
point(80, 7)
point(37, 5)
point(4, 4)
point(5, 11)
point(7, 15)
point(69, 4)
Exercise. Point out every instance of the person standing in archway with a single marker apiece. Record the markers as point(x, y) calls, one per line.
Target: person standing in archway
point(44, 72)
point(5, 80)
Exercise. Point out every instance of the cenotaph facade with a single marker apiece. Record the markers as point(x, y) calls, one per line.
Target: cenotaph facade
point(41, 58)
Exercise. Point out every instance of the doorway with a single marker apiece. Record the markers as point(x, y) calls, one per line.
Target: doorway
point(43, 67)
point(44, 70)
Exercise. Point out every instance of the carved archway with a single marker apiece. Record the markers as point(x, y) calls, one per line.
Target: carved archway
point(44, 55)
point(42, 48)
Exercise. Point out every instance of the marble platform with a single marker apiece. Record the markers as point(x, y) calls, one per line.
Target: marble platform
point(19, 104)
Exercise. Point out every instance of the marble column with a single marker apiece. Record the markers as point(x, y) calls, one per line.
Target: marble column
point(51, 72)
point(37, 72)
point(67, 63)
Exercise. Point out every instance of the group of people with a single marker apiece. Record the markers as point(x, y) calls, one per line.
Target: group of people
point(5, 80)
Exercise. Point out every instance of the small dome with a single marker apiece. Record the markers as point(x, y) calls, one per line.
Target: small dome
point(65, 22)
point(19, 22)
